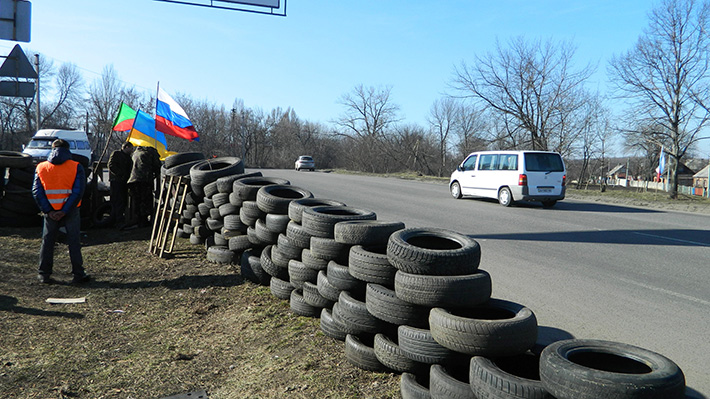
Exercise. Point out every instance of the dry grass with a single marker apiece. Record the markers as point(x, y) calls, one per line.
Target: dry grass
point(152, 328)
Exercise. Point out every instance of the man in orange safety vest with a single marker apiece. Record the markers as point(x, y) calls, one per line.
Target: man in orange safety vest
point(58, 187)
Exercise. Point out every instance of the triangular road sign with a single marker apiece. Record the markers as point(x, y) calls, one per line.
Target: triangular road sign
point(17, 65)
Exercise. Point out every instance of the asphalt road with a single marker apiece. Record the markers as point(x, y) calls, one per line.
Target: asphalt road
point(587, 270)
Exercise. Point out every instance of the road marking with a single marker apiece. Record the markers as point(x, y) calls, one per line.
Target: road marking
point(672, 239)
point(665, 291)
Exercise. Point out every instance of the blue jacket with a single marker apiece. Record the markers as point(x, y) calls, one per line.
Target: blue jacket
point(58, 156)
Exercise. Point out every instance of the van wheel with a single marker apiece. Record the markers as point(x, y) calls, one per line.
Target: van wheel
point(549, 204)
point(455, 190)
point(505, 198)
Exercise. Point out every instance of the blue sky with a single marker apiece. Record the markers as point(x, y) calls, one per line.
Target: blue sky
point(322, 49)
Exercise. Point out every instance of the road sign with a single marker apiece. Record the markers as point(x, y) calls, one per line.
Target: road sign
point(15, 20)
point(17, 89)
point(17, 65)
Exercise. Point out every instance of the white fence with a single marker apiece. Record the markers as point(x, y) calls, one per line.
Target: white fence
point(659, 186)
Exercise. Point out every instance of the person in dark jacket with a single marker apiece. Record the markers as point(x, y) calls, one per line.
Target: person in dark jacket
point(146, 168)
point(119, 170)
point(58, 187)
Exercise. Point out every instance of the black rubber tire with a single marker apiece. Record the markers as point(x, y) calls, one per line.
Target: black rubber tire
point(289, 250)
point(319, 221)
point(389, 354)
point(219, 199)
point(455, 190)
point(338, 319)
point(101, 215)
point(511, 377)
point(14, 159)
point(202, 231)
point(411, 388)
point(280, 288)
point(339, 276)
point(295, 208)
point(247, 187)
point(265, 235)
point(370, 264)
point(214, 213)
point(187, 228)
point(269, 267)
point(276, 223)
point(300, 307)
point(249, 213)
point(225, 184)
point(23, 177)
point(326, 289)
point(443, 291)
point(419, 345)
point(445, 385)
point(382, 303)
point(235, 200)
point(298, 235)
point(360, 355)
point(298, 273)
point(234, 223)
point(329, 327)
point(214, 224)
point(366, 232)
point(20, 204)
point(195, 240)
point(210, 189)
point(496, 328)
point(505, 197)
point(312, 262)
point(204, 210)
point(228, 209)
point(586, 369)
point(276, 198)
point(250, 266)
point(433, 251)
point(279, 259)
point(180, 170)
point(220, 240)
point(329, 249)
point(313, 297)
point(220, 254)
point(209, 170)
point(183, 158)
point(208, 202)
point(353, 313)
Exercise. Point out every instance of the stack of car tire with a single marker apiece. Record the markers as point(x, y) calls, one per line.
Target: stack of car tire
point(406, 300)
point(17, 206)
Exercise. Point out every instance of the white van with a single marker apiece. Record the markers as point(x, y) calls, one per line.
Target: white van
point(40, 145)
point(511, 176)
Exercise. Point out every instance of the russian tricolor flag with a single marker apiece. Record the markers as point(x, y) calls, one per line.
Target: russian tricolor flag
point(171, 119)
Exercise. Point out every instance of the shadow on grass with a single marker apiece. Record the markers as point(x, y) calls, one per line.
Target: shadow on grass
point(9, 304)
point(180, 283)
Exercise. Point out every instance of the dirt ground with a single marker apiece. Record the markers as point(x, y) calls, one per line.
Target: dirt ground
point(152, 328)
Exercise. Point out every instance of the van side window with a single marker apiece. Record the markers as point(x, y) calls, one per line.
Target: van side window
point(488, 162)
point(72, 144)
point(469, 163)
point(508, 162)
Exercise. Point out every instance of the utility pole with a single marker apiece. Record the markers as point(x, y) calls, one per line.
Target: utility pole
point(38, 115)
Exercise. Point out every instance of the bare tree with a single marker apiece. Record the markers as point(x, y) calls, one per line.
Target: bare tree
point(66, 110)
point(531, 87)
point(368, 115)
point(665, 76)
point(442, 121)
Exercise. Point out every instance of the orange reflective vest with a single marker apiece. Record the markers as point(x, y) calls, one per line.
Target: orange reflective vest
point(58, 181)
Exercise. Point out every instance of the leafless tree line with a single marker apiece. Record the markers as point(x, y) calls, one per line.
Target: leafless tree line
point(524, 94)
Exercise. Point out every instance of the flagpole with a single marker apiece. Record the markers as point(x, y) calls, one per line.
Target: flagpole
point(155, 117)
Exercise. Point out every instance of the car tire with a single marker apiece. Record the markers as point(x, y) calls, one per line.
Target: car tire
point(419, 345)
point(361, 355)
point(276, 198)
point(443, 291)
point(505, 197)
point(511, 377)
point(455, 190)
point(296, 207)
point(388, 353)
point(586, 369)
point(330, 327)
point(280, 288)
point(445, 385)
point(382, 303)
point(411, 388)
point(496, 328)
point(433, 251)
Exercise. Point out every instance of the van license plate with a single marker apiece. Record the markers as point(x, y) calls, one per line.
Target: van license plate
point(544, 190)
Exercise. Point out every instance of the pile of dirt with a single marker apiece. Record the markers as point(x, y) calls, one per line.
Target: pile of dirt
point(154, 327)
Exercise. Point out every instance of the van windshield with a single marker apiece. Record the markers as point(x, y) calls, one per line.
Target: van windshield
point(40, 143)
point(543, 162)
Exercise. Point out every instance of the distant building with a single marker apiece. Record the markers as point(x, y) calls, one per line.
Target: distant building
point(700, 179)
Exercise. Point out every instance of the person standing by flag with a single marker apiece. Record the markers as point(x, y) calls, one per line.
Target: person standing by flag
point(58, 187)
point(146, 168)
point(119, 170)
